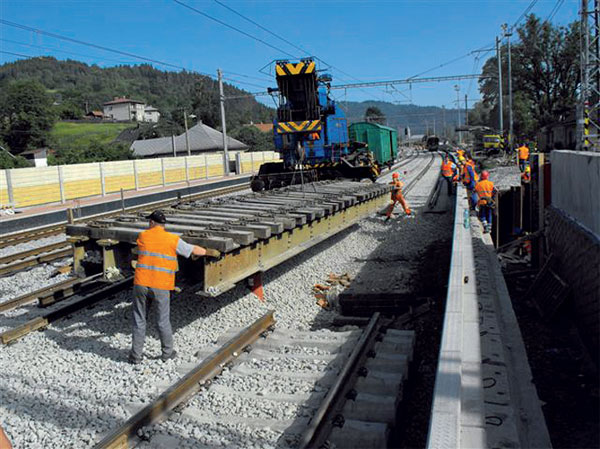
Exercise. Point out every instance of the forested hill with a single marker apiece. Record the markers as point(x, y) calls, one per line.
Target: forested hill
point(74, 83)
point(418, 118)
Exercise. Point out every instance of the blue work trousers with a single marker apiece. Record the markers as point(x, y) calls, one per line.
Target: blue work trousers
point(471, 195)
point(143, 298)
point(485, 214)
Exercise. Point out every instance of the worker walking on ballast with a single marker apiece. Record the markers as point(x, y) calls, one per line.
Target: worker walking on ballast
point(153, 281)
point(523, 157)
point(397, 196)
point(486, 193)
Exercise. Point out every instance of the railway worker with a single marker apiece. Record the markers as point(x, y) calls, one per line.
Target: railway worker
point(449, 173)
point(461, 156)
point(469, 178)
point(526, 175)
point(397, 197)
point(523, 156)
point(486, 193)
point(154, 279)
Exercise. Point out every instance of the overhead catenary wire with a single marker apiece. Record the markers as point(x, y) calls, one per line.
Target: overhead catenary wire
point(231, 27)
point(554, 10)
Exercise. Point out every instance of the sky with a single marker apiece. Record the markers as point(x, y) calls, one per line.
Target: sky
point(354, 40)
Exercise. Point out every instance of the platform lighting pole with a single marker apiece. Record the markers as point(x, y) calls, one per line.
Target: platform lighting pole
point(508, 34)
point(500, 95)
point(457, 88)
point(223, 124)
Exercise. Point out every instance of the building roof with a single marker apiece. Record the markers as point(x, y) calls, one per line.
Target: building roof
point(95, 114)
point(377, 125)
point(202, 138)
point(119, 100)
point(150, 109)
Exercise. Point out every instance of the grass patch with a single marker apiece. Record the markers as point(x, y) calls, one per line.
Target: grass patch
point(75, 134)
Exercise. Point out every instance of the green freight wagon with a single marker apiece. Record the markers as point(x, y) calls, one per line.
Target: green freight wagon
point(382, 141)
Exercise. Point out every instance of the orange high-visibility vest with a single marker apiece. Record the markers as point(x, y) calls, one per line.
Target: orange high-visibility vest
point(157, 259)
point(396, 190)
point(466, 175)
point(447, 169)
point(485, 191)
point(523, 152)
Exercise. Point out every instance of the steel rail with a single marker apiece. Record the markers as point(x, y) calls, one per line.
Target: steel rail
point(320, 421)
point(32, 252)
point(188, 385)
point(36, 260)
point(27, 236)
point(63, 289)
point(50, 317)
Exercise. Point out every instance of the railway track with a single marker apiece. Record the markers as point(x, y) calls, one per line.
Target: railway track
point(343, 388)
point(54, 293)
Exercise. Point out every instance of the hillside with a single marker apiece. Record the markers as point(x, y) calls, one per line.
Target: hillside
point(79, 134)
point(418, 118)
point(78, 84)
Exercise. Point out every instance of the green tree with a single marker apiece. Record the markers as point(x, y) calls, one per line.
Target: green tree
point(254, 138)
point(69, 111)
point(95, 152)
point(26, 115)
point(375, 115)
point(8, 160)
point(545, 76)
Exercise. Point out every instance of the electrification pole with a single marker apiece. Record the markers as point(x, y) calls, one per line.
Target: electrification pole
point(457, 88)
point(508, 34)
point(444, 120)
point(500, 95)
point(589, 102)
point(466, 111)
point(187, 137)
point(223, 124)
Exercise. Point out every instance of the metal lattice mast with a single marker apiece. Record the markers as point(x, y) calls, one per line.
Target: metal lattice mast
point(589, 108)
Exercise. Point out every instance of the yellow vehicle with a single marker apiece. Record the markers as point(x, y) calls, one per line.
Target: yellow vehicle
point(492, 142)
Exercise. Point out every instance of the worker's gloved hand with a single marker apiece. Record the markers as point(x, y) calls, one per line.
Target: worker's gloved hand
point(213, 252)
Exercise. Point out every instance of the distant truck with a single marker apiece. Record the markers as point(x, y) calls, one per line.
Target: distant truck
point(492, 142)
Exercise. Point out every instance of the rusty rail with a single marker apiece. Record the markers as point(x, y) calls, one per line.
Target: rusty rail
point(188, 385)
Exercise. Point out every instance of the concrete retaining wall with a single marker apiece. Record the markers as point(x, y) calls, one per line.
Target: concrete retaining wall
point(576, 186)
point(576, 253)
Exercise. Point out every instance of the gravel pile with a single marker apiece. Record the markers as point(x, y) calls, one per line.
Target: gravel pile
point(68, 385)
point(505, 177)
point(32, 244)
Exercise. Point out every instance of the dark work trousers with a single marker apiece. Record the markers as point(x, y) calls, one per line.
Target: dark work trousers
point(142, 298)
point(522, 164)
point(448, 180)
point(485, 214)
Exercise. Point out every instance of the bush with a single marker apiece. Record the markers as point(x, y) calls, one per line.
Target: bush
point(95, 152)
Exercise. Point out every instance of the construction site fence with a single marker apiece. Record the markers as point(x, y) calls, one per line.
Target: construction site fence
point(22, 187)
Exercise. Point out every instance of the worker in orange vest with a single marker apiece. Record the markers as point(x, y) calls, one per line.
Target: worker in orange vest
point(469, 178)
point(154, 279)
point(523, 156)
point(449, 173)
point(486, 193)
point(397, 196)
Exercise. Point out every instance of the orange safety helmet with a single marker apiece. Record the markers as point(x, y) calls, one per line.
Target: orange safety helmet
point(485, 174)
point(395, 175)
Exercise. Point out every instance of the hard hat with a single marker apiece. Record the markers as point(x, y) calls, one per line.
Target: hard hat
point(485, 174)
point(528, 168)
point(395, 175)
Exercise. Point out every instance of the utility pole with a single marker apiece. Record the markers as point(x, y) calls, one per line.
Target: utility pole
point(444, 120)
point(223, 124)
point(508, 34)
point(434, 133)
point(500, 95)
point(187, 137)
point(457, 88)
point(466, 111)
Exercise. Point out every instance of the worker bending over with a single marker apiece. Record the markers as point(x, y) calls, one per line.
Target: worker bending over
point(153, 281)
point(486, 193)
point(523, 156)
point(397, 196)
point(469, 180)
point(449, 172)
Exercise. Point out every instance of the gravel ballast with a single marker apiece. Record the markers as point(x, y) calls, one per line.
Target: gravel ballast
point(70, 384)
